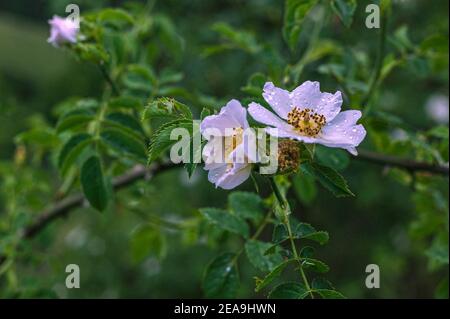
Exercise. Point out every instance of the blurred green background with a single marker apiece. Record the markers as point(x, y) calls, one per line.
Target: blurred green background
point(373, 228)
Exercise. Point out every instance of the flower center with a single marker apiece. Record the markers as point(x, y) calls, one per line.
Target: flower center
point(306, 121)
point(231, 142)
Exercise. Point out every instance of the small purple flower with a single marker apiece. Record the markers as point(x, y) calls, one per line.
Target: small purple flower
point(62, 30)
point(227, 156)
point(310, 116)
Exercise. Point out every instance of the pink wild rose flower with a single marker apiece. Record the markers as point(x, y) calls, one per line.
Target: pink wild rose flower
point(310, 116)
point(227, 155)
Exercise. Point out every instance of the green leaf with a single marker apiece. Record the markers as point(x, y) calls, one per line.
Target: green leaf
point(234, 39)
point(123, 142)
point(168, 34)
point(91, 52)
point(306, 231)
point(246, 205)
point(195, 150)
point(125, 122)
point(436, 43)
point(168, 77)
point(226, 221)
point(438, 252)
point(329, 294)
point(116, 18)
point(73, 121)
point(275, 273)
point(72, 149)
point(321, 283)
point(306, 252)
point(439, 132)
point(161, 141)
point(329, 178)
point(305, 188)
point(44, 137)
point(335, 158)
point(205, 112)
point(401, 39)
point(168, 108)
point(345, 9)
point(279, 234)
point(315, 265)
point(93, 183)
point(255, 250)
point(140, 78)
point(125, 101)
point(221, 279)
point(190, 168)
point(294, 15)
point(115, 44)
point(301, 231)
point(321, 49)
point(254, 84)
point(147, 241)
point(289, 290)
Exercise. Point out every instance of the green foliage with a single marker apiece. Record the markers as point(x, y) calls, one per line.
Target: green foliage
point(295, 13)
point(221, 279)
point(329, 178)
point(226, 221)
point(246, 205)
point(71, 150)
point(147, 241)
point(289, 290)
point(306, 231)
point(94, 184)
point(233, 39)
point(305, 188)
point(272, 275)
point(345, 9)
point(123, 142)
point(256, 249)
point(145, 70)
point(301, 231)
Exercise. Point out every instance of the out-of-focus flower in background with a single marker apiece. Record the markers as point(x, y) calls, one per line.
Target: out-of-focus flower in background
point(399, 134)
point(437, 108)
point(62, 30)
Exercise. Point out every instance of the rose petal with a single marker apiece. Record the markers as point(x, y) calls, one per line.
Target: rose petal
point(236, 176)
point(347, 138)
point(231, 116)
point(308, 95)
point(289, 134)
point(238, 112)
point(343, 131)
point(217, 173)
point(213, 152)
point(278, 99)
point(263, 115)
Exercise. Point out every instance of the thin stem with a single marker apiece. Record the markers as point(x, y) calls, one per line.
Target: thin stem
point(277, 193)
point(378, 64)
point(159, 221)
point(404, 163)
point(286, 209)
point(98, 124)
point(298, 67)
point(108, 79)
point(258, 232)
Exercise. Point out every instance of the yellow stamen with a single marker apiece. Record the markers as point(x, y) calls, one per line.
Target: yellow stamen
point(232, 142)
point(306, 121)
